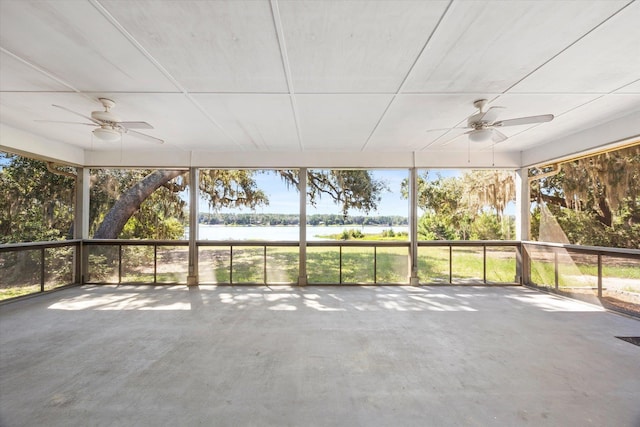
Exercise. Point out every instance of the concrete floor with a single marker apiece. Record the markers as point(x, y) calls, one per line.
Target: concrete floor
point(348, 356)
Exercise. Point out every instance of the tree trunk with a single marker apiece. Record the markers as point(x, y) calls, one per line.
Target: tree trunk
point(554, 200)
point(130, 201)
point(607, 216)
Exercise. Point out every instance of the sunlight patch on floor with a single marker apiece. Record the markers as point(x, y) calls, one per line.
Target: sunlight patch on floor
point(128, 301)
point(553, 303)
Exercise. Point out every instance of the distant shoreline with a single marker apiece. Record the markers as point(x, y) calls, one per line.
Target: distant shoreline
point(287, 232)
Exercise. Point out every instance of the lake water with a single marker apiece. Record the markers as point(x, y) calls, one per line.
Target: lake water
point(221, 232)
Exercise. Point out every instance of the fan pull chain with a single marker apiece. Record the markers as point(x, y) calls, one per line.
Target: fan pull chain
point(468, 150)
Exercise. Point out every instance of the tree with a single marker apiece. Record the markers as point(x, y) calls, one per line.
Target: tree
point(129, 202)
point(36, 205)
point(351, 189)
point(452, 204)
point(596, 199)
point(489, 188)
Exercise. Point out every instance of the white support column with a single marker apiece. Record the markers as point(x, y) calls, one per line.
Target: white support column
point(414, 280)
point(81, 222)
point(81, 218)
point(194, 196)
point(302, 190)
point(522, 204)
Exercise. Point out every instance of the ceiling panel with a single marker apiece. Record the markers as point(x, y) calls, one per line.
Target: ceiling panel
point(256, 121)
point(74, 42)
point(339, 122)
point(355, 46)
point(15, 75)
point(216, 46)
point(489, 46)
point(603, 61)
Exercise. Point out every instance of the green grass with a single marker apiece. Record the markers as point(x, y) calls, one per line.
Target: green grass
point(467, 265)
point(578, 274)
point(16, 291)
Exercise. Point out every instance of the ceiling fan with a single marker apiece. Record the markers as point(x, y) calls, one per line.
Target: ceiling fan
point(109, 127)
point(483, 124)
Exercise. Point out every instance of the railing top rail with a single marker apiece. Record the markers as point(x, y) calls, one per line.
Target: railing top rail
point(246, 243)
point(603, 250)
point(5, 247)
point(127, 242)
point(468, 243)
point(360, 243)
point(133, 242)
point(335, 243)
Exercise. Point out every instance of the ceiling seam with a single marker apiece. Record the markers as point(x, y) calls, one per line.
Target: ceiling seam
point(160, 67)
point(613, 92)
point(44, 72)
point(282, 44)
point(408, 73)
point(568, 47)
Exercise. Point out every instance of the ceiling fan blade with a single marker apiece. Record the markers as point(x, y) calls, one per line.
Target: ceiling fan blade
point(449, 141)
point(443, 129)
point(145, 136)
point(525, 120)
point(498, 136)
point(136, 125)
point(67, 123)
point(78, 114)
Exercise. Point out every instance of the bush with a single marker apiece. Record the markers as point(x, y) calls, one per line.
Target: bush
point(434, 227)
point(351, 234)
point(486, 227)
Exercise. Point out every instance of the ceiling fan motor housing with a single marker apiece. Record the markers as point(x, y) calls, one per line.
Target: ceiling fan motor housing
point(474, 121)
point(106, 115)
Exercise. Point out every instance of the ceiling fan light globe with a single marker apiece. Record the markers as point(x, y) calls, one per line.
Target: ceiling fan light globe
point(106, 134)
point(480, 135)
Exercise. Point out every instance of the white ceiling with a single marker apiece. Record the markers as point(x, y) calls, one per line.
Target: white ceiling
point(318, 83)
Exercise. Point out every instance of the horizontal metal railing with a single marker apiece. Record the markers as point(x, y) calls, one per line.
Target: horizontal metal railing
point(120, 244)
point(39, 259)
point(593, 250)
point(341, 244)
point(117, 259)
point(231, 244)
point(557, 249)
point(12, 247)
point(484, 244)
